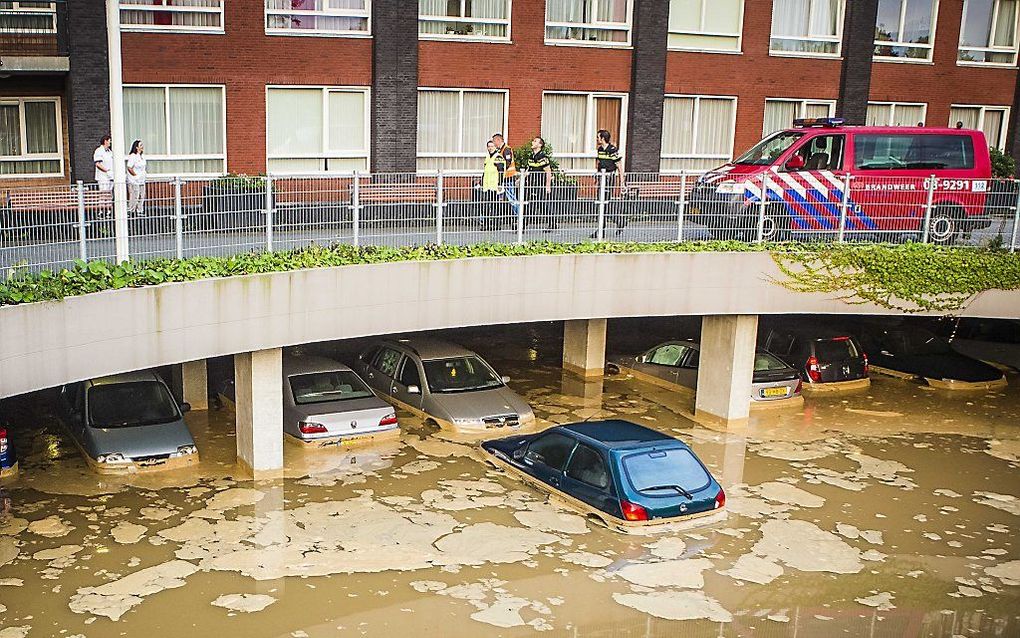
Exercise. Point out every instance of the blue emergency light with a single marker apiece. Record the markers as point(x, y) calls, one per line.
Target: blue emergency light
point(828, 122)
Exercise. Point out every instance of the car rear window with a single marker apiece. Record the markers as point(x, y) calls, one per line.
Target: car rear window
point(892, 151)
point(323, 387)
point(121, 405)
point(659, 468)
point(835, 349)
point(766, 362)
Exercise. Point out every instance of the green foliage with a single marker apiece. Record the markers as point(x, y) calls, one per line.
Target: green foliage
point(1003, 165)
point(246, 183)
point(909, 278)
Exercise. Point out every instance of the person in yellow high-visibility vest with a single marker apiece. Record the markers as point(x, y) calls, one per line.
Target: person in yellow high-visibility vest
point(491, 187)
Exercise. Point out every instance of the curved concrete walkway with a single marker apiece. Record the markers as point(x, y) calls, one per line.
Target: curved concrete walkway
point(46, 344)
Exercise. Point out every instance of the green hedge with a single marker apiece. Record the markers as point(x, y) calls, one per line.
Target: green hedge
point(909, 277)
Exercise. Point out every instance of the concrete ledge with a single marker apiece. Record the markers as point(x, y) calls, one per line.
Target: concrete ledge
point(46, 344)
point(35, 63)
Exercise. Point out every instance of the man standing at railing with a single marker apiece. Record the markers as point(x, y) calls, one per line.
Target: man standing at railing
point(103, 158)
point(607, 160)
point(507, 168)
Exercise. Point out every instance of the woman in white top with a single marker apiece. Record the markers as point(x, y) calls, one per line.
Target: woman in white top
point(103, 159)
point(136, 178)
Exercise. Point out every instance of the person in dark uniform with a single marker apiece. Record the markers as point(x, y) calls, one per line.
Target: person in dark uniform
point(539, 184)
point(608, 160)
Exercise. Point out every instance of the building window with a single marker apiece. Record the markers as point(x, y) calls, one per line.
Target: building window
point(317, 129)
point(571, 120)
point(172, 15)
point(317, 17)
point(988, 34)
point(705, 25)
point(464, 19)
point(993, 120)
point(28, 17)
point(455, 124)
point(183, 127)
point(807, 27)
point(780, 113)
point(31, 142)
point(904, 29)
point(601, 22)
point(896, 114)
point(697, 132)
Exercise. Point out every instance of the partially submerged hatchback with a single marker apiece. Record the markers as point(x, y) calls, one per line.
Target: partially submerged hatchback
point(826, 359)
point(628, 476)
point(326, 403)
point(128, 422)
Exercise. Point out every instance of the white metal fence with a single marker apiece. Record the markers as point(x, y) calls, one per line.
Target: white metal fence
point(50, 228)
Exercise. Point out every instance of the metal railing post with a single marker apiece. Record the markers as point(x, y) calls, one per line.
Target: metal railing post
point(269, 213)
point(844, 206)
point(356, 209)
point(681, 206)
point(761, 208)
point(927, 210)
point(439, 209)
point(520, 208)
point(1016, 219)
point(600, 233)
point(83, 253)
point(178, 218)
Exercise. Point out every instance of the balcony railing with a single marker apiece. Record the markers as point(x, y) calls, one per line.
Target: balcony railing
point(33, 28)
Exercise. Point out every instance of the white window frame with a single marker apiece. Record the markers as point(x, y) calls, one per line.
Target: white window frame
point(627, 26)
point(169, 127)
point(1003, 128)
point(172, 28)
point(837, 38)
point(17, 9)
point(1015, 49)
point(460, 121)
point(911, 45)
point(590, 124)
point(323, 13)
point(25, 156)
point(894, 105)
point(801, 103)
point(739, 35)
point(697, 106)
point(468, 38)
point(327, 153)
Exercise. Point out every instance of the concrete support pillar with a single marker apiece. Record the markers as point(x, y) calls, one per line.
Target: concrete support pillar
point(258, 392)
point(725, 368)
point(191, 384)
point(584, 347)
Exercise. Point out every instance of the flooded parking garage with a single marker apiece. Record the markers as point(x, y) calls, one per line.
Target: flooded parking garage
point(889, 511)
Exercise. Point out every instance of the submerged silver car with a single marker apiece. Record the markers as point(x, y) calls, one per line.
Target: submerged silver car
point(327, 403)
point(128, 422)
point(444, 383)
point(675, 363)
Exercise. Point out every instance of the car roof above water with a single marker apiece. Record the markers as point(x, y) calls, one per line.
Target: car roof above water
point(618, 434)
point(309, 364)
point(125, 377)
point(426, 348)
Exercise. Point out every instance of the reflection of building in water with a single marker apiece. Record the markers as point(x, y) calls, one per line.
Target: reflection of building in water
point(589, 390)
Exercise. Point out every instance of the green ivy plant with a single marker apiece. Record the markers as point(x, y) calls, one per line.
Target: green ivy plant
point(1003, 166)
point(245, 183)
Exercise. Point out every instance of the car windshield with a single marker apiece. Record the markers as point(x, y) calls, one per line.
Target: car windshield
point(767, 151)
point(460, 374)
point(765, 362)
point(121, 405)
point(323, 387)
point(662, 469)
point(838, 349)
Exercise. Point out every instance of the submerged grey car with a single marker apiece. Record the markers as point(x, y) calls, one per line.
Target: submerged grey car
point(327, 403)
point(128, 421)
point(675, 363)
point(445, 383)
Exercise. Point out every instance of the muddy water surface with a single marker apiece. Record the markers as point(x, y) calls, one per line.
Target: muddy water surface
point(890, 512)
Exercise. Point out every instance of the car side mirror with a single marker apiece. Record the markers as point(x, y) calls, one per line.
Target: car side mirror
point(795, 163)
point(519, 453)
point(413, 389)
point(505, 379)
point(886, 353)
point(185, 407)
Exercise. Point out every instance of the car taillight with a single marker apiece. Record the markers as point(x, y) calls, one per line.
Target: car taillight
point(865, 355)
point(308, 427)
point(720, 499)
point(389, 419)
point(813, 372)
point(633, 511)
point(800, 387)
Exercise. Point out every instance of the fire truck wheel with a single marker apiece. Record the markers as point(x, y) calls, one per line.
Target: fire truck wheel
point(945, 225)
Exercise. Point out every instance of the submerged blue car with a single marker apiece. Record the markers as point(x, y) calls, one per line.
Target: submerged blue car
point(622, 473)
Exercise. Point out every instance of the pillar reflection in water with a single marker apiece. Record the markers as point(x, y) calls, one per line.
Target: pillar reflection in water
point(588, 389)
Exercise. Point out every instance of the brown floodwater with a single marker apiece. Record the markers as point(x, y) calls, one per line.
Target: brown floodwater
point(892, 511)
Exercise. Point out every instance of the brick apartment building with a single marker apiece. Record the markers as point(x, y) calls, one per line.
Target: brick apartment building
point(316, 86)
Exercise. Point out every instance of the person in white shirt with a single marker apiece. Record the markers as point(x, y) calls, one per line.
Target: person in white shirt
point(136, 179)
point(103, 158)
